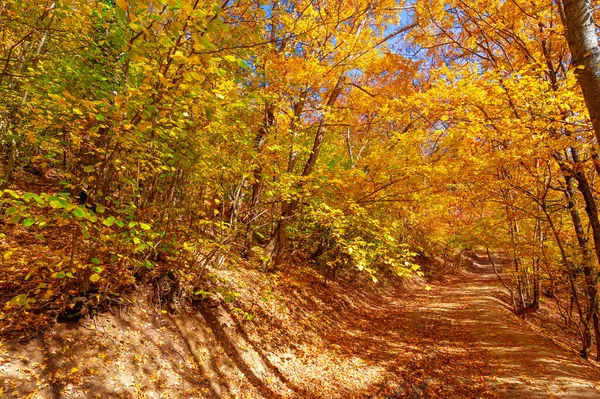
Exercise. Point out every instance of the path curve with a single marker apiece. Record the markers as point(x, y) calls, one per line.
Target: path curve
point(509, 359)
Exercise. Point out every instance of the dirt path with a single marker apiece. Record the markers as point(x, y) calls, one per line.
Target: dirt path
point(346, 340)
point(478, 347)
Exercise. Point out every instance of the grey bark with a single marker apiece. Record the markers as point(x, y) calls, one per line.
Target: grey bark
point(582, 38)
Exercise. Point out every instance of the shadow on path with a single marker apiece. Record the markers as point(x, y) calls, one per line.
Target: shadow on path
point(461, 340)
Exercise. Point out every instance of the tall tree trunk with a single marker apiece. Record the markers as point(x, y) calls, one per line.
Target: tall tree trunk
point(578, 18)
point(259, 143)
point(588, 267)
point(597, 330)
point(585, 332)
point(590, 202)
point(590, 270)
point(581, 35)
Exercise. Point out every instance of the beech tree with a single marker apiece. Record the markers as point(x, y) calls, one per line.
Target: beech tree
point(582, 36)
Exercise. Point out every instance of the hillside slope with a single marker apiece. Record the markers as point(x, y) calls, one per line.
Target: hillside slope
point(293, 337)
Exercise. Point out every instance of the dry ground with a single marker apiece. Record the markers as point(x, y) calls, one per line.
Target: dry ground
point(289, 336)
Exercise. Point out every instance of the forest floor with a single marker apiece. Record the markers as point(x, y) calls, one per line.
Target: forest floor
point(290, 336)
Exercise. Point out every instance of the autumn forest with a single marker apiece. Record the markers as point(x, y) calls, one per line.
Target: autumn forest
point(294, 167)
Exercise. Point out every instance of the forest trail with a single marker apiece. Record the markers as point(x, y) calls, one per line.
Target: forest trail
point(483, 349)
point(458, 340)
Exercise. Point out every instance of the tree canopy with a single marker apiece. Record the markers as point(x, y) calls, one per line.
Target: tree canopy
point(182, 135)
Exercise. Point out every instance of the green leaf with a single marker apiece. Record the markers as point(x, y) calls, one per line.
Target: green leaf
point(94, 277)
point(202, 293)
point(13, 194)
point(120, 223)
point(20, 300)
point(96, 261)
point(56, 204)
point(89, 169)
point(97, 269)
point(145, 226)
point(79, 212)
point(122, 15)
point(109, 221)
point(165, 42)
point(28, 222)
point(60, 275)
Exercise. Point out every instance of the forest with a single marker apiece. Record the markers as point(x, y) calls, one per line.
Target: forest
point(200, 153)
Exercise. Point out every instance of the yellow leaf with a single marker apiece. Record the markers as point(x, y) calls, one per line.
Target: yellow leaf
point(163, 80)
point(122, 4)
point(74, 370)
point(135, 27)
point(427, 288)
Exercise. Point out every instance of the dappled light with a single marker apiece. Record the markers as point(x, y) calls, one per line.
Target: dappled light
point(238, 199)
point(457, 339)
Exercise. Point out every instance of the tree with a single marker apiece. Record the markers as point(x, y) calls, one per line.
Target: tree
point(578, 18)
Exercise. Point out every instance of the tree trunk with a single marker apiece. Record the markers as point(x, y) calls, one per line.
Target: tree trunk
point(583, 42)
point(278, 240)
point(597, 331)
point(261, 136)
point(10, 165)
point(589, 269)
